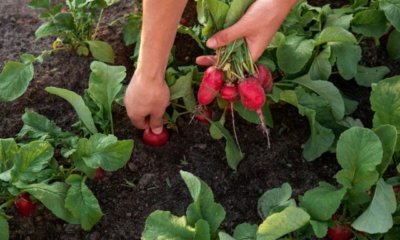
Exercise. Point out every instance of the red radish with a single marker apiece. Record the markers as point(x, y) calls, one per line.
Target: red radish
point(252, 97)
point(24, 205)
point(99, 174)
point(251, 94)
point(340, 232)
point(184, 22)
point(204, 115)
point(155, 140)
point(229, 93)
point(211, 84)
point(265, 77)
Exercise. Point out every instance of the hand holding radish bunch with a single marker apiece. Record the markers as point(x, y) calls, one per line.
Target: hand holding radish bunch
point(160, 21)
point(237, 47)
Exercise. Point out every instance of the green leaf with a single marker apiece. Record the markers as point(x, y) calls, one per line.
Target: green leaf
point(218, 11)
point(164, 225)
point(203, 206)
point(294, 53)
point(30, 160)
point(237, 9)
point(282, 223)
point(65, 22)
point(46, 29)
point(8, 148)
point(105, 83)
point(104, 151)
point(14, 80)
point(233, 153)
point(366, 76)
point(320, 228)
point(392, 11)
point(252, 116)
point(335, 35)
point(388, 136)
point(78, 104)
point(378, 216)
point(347, 57)
point(359, 151)
point(321, 138)
point(101, 51)
point(385, 102)
point(329, 92)
point(321, 67)
point(39, 3)
point(53, 197)
point(370, 23)
point(245, 231)
point(4, 229)
point(393, 46)
point(323, 201)
point(182, 86)
point(37, 126)
point(274, 198)
point(202, 230)
point(82, 203)
point(132, 28)
point(338, 20)
point(225, 236)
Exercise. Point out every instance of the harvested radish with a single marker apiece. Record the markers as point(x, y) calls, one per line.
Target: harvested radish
point(252, 97)
point(229, 93)
point(155, 140)
point(211, 84)
point(99, 174)
point(24, 205)
point(204, 115)
point(340, 232)
point(251, 94)
point(265, 77)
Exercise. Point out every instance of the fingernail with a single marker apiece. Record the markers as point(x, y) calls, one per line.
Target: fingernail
point(157, 130)
point(212, 43)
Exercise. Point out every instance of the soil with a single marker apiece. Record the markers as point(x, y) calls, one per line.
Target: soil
point(151, 179)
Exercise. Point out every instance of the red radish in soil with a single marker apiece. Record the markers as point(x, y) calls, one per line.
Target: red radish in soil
point(155, 140)
point(252, 97)
point(99, 174)
point(340, 232)
point(212, 82)
point(184, 22)
point(265, 77)
point(24, 205)
point(204, 115)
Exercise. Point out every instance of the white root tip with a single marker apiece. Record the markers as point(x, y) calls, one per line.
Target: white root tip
point(264, 127)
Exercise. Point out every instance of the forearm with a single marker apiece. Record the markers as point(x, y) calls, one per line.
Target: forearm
point(160, 22)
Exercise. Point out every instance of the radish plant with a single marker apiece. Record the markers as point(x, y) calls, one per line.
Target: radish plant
point(33, 173)
point(75, 24)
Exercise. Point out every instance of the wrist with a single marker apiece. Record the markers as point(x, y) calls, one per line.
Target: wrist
point(149, 74)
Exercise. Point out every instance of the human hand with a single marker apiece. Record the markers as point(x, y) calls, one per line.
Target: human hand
point(258, 26)
point(146, 99)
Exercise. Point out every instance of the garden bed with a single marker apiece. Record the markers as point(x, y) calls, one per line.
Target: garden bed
point(151, 179)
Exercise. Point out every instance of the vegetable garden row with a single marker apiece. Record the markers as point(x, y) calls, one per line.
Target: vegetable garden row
point(316, 66)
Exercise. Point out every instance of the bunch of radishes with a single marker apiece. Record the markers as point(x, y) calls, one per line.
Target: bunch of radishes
point(237, 81)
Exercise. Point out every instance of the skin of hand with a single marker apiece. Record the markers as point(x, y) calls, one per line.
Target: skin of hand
point(147, 95)
point(258, 26)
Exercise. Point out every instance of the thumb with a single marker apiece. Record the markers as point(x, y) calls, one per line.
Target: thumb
point(228, 35)
point(156, 123)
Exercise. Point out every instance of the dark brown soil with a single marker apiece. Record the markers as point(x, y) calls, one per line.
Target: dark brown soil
point(154, 171)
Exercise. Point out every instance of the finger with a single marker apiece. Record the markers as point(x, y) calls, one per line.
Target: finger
point(227, 35)
point(156, 123)
point(206, 60)
point(139, 122)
